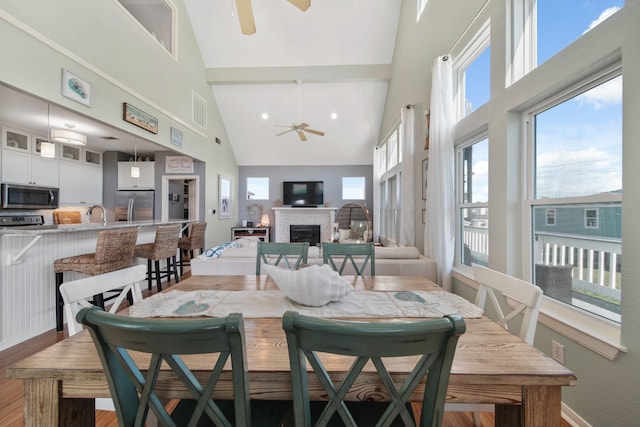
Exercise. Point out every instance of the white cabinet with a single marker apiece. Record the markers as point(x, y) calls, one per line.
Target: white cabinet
point(22, 163)
point(146, 181)
point(80, 184)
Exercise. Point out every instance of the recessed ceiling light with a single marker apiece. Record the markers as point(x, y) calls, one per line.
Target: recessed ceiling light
point(265, 116)
point(334, 116)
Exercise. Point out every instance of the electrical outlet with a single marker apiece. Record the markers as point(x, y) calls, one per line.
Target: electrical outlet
point(557, 352)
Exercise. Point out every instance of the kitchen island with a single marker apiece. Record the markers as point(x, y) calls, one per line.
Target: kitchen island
point(27, 279)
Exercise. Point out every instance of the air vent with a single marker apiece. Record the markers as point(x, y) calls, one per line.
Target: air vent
point(109, 138)
point(199, 110)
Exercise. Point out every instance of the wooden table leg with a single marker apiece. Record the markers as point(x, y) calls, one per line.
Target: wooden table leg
point(541, 407)
point(44, 406)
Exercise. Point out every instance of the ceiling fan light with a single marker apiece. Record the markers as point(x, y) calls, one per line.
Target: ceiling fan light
point(48, 150)
point(68, 137)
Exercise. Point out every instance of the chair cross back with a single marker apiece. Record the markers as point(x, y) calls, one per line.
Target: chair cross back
point(527, 297)
point(75, 293)
point(347, 251)
point(134, 392)
point(283, 251)
point(434, 339)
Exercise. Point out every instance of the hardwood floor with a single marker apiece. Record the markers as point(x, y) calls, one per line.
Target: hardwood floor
point(11, 401)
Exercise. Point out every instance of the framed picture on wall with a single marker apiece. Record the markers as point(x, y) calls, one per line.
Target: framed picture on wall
point(425, 169)
point(73, 87)
point(225, 197)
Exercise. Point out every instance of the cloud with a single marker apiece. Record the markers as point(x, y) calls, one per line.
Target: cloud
point(608, 93)
point(604, 15)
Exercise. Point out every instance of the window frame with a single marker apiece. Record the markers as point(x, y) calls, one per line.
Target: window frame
point(460, 204)
point(563, 317)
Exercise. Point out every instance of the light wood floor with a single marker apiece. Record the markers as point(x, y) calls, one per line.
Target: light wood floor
point(11, 401)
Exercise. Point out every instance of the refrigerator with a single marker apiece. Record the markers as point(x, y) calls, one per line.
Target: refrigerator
point(134, 205)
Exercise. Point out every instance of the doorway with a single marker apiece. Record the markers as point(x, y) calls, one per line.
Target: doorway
point(180, 197)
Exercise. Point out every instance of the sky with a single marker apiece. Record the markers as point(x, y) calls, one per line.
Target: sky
point(577, 138)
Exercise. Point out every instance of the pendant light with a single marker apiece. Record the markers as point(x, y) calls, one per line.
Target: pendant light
point(48, 149)
point(135, 170)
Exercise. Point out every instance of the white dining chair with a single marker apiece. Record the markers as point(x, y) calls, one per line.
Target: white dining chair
point(511, 298)
point(77, 293)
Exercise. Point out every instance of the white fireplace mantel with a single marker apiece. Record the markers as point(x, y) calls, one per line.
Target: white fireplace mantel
point(286, 216)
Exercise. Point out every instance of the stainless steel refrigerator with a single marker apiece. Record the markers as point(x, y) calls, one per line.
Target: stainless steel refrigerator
point(134, 205)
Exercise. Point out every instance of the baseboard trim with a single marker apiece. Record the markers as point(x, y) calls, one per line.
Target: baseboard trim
point(570, 416)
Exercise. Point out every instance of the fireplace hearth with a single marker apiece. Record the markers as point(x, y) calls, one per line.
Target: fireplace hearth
point(305, 233)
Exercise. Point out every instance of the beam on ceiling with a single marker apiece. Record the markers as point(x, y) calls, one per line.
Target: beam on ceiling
point(328, 73)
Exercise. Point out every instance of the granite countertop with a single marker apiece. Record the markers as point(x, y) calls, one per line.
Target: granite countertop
point(34, 230)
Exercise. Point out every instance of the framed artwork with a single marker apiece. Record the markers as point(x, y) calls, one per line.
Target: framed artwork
point(427, 118)
point(139, 118)
point(425, 169)
point(176, 137)
point(225, 197)
point(75, 88)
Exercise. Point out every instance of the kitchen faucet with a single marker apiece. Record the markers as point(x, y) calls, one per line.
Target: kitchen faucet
point(104, 213)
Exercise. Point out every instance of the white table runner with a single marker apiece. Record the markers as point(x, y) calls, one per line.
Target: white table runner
point(273, 304)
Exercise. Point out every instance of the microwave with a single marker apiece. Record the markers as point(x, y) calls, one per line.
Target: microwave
point(15, 196)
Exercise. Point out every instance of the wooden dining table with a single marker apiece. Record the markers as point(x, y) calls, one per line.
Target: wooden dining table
point(491, 366)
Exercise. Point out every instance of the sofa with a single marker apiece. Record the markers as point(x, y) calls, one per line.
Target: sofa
point(239, 258)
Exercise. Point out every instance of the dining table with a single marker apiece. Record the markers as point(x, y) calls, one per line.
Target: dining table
point(491, 365)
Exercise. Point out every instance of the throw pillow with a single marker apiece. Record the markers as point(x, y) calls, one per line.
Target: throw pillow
point(217, 251)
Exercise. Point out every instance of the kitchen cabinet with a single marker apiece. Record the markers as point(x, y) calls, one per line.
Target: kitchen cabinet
point(22, 162)
point(146, 181)
point(80, 184)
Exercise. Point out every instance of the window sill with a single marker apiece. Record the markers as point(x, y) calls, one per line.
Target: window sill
point(599, 335)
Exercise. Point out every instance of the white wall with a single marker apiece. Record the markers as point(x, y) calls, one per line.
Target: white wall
point(606, 391)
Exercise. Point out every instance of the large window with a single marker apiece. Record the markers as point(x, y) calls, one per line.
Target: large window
point(542, 28)
point(576, 173)
point(472, 183)
point(388, 160)
point(472, 69)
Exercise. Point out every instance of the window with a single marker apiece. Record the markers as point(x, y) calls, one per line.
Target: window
point(388, 157)
point(472, 68)
point(551, 217)
point(421, 4)
point(591, 218)
point(257, 188)
point(542, 28)
point(353, 188)
point(157, 17)
point(576, 170)
point(472, 183)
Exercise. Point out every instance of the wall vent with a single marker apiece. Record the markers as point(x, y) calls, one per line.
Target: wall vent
point(198, 110)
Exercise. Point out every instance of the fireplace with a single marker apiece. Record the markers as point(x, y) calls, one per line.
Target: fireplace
point(305, 233)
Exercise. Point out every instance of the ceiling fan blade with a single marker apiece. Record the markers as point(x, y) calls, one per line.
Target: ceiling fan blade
point(245, 15)
point(286, 131)
point(302, 136)
point(301, 125)
point(315, 132)
point(303, 5)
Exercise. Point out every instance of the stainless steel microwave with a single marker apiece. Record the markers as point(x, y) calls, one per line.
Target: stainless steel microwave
point(15, 196)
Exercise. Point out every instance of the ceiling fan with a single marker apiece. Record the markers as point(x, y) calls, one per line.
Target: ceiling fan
point(300, 127)
point(245, 13)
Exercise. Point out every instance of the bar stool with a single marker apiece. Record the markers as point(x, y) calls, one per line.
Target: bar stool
point(195, 240)
point(114, 251)
point(165, 246)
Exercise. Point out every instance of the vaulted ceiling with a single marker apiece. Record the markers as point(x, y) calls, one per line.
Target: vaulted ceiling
point(339, 50)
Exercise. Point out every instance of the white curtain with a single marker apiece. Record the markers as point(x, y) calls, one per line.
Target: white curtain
point(408, 220)
point(439, 238)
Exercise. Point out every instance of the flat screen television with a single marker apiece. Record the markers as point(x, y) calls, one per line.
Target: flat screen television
point(303, 193)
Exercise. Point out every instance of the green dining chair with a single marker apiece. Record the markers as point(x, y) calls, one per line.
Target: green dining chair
point(297, 251)
point(332, 252)
point(309, 337)
point(133, 387)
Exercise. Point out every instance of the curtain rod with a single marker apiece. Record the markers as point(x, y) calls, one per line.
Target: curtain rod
point(446, 57)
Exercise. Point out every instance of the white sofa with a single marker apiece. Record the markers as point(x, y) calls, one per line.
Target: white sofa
point(390, 261)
